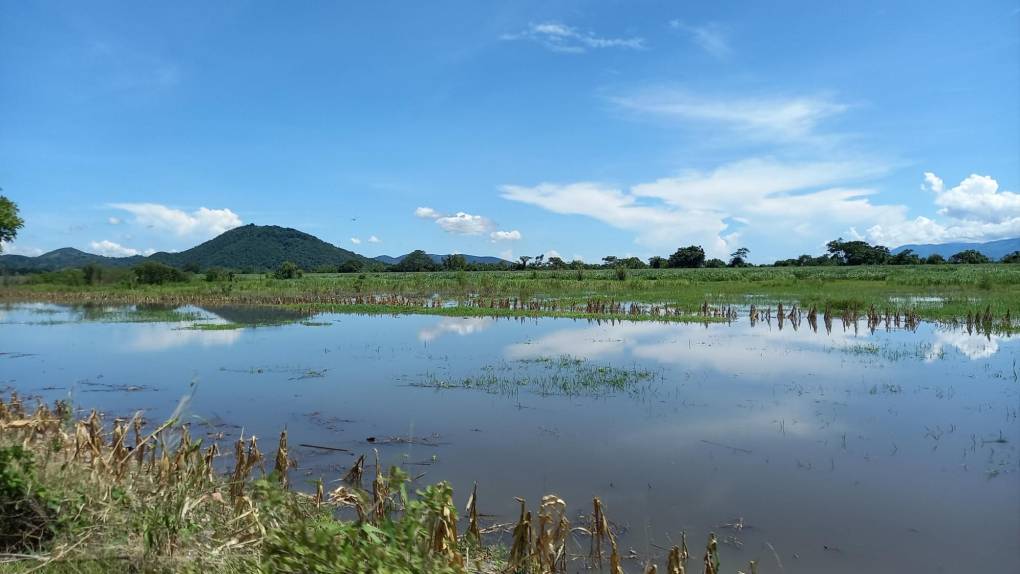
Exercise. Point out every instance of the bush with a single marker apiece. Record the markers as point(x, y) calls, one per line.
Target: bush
point(27, 511)
point(316, 543)
point(219, 274)
point(621, 273)
point(154, 273)
point(288, 270)
point(351, 266)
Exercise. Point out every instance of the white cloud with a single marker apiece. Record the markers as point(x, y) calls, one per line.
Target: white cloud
point(159, 338)
point(552, 253)
point(460, 223)
point(975, 210)
point(112, 249)
point(513, 235)
point(507, 254)
point(977, 198)
point(461, 326)
point(565, 39)
point(203, 222)
point(355, 241)
point(14, 249)
point(711, 38)
point(784, 118)
point(698, 206)
point(426, 213)
point(463, 223)
point(374, 239)
point(973, 346)
point(114, 221)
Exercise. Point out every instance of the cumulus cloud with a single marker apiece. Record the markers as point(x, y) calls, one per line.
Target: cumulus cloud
point(202, 222)
point(513, 235)
point(703, 207)
point(355, 241)
point(976, 198)
point(566, 39)
point(374, 239)
point(464, 224)
point(114, 221)
point(783, 118)
point(975, 210)
point(460, 223)
point(113, 249)
point(426, 213)
point(552, 253)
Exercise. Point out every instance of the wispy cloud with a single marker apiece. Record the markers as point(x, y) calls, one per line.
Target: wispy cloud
point(712, 38)
point(374, 239)
point(782, 118)
point(566, 39)
point(712, 208)
point(203, 222)
point(355, 241)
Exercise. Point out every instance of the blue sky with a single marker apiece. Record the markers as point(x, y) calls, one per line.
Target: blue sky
point(579, 128)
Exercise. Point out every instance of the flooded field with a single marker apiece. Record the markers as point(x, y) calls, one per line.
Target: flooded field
point(810, 450)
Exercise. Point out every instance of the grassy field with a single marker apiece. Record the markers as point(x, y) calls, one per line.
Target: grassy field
point(940, 292)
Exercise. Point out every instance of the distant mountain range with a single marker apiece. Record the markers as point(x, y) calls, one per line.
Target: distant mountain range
point(994, 250)
point(247, 248)
point(471, 259)
point(62, 259)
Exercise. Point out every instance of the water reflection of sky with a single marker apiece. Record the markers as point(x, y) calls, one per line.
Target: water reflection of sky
point(841, 440)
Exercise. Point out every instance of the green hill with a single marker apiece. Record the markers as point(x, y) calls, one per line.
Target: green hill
point(260, 248)
point(62, 259)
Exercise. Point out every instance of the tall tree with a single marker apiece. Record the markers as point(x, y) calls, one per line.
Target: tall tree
point(10, 222)
point(454, 262)
point(739, 257)
point(692, 256)
point(969, 256)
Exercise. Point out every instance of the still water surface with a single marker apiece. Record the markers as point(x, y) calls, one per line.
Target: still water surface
point(844, 451)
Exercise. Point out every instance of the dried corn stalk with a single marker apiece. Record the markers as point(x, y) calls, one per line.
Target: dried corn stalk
point(282, 462)
point(675, 565)
point(353, 476)
point(553, 527)
point(473, 534)
point(520, 551)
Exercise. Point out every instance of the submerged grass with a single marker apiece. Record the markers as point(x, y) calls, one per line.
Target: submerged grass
point(559, 376)
point(81, 495)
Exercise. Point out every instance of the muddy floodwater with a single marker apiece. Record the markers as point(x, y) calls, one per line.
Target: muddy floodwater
point(810, 451)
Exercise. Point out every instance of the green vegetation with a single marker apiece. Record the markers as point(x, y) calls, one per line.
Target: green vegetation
point(10, 221)
point(288, 270)
point(262, 248)
point(565, 375)
point(930, 291)
point(154, 273)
